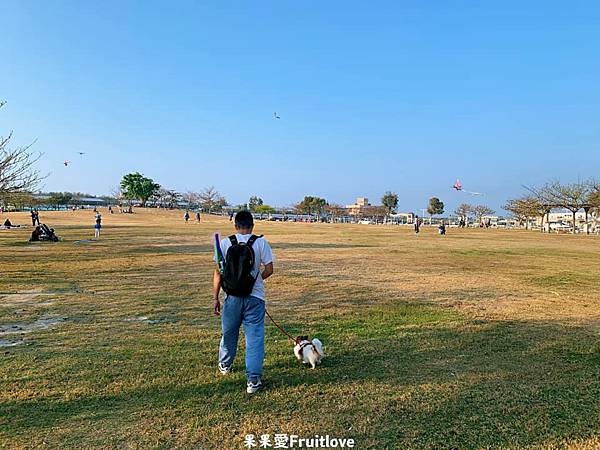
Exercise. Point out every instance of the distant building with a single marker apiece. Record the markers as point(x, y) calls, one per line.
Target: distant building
point(402, 217)
point(89, 201)
point(356, 209)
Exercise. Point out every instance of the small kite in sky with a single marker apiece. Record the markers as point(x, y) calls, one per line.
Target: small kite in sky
point(275, 115)
point(81, 153)
point(459, 188)
point(66, 163)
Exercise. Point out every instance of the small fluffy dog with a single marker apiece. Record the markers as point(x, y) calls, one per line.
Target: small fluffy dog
point(309, 352)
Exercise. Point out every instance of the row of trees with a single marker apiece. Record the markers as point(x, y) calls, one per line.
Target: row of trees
point(538, 202)
point(135, 186)
point(466, 211)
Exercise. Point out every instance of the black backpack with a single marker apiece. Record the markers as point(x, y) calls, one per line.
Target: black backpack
point(237, 279)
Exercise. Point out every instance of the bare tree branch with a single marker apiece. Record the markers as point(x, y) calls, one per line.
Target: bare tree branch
point(17, 172)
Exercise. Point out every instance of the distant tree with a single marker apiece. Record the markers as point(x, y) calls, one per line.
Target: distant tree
point(544, 200)
point(516, 209)
point(482, 210)
point(464, 210)
point(525, 208)
point(390, 201)
point(264, 209)
point(311, 205)
point(166, 198)
point(136, 186)
point(192, 199)
point(58, 199)
point(573, 196)
point(211, 200)
point(594, 197)
point(17, 171)
point(374, 212)
point(19, 199)
point(334, 210)
point(594, 201)
point(254, 202)
point(434, 207)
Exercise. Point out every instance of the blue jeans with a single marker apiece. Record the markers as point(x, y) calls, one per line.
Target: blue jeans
point(249, 311)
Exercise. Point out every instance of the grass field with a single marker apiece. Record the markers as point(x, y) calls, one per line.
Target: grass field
point(478, 339)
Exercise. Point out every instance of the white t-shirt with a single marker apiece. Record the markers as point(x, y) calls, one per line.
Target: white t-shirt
point(262, 256)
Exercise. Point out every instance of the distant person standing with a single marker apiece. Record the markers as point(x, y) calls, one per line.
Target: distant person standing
point(37, 217)
point(110, 210)
point(417, 224)
point(33, 217)
point(186, 216)
point(198, 216)
point(98, 225)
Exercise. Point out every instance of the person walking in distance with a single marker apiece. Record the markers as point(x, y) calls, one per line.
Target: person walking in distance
point(417, 224)
point(98, 225)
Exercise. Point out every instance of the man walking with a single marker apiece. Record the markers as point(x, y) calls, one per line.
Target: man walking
point(98, 225)
point(245, 300)
point(417, 224)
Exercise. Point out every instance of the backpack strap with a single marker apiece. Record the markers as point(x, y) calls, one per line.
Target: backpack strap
point(253, 239)
point(233, 239)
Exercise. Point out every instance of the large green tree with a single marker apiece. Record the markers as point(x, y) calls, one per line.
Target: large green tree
point(311, 205)
point(435, 206)
point(390, 201)
point(264, 209)
point(254, 203)
point(136, 186)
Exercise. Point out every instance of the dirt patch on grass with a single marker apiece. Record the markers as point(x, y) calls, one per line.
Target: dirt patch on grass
point(11, 343)
point(40, 324)
point(142, 319)
point(25, 297)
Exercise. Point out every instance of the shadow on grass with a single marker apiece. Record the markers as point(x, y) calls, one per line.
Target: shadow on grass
point(314, 245)
point(427, 378)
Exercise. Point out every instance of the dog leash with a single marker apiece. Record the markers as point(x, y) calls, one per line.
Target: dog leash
point(281, 329)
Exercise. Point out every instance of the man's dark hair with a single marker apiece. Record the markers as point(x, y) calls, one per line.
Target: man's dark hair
point(244, 220)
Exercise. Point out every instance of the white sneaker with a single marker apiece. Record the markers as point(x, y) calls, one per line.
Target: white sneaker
point(254, 386)
point(224, 369)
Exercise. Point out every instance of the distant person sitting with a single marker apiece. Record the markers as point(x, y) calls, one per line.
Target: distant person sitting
point(35, 234)
point(7, 223)
point(47, 233)
point(442, 229)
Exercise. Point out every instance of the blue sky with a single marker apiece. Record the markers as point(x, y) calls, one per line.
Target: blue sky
point(373, 96)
